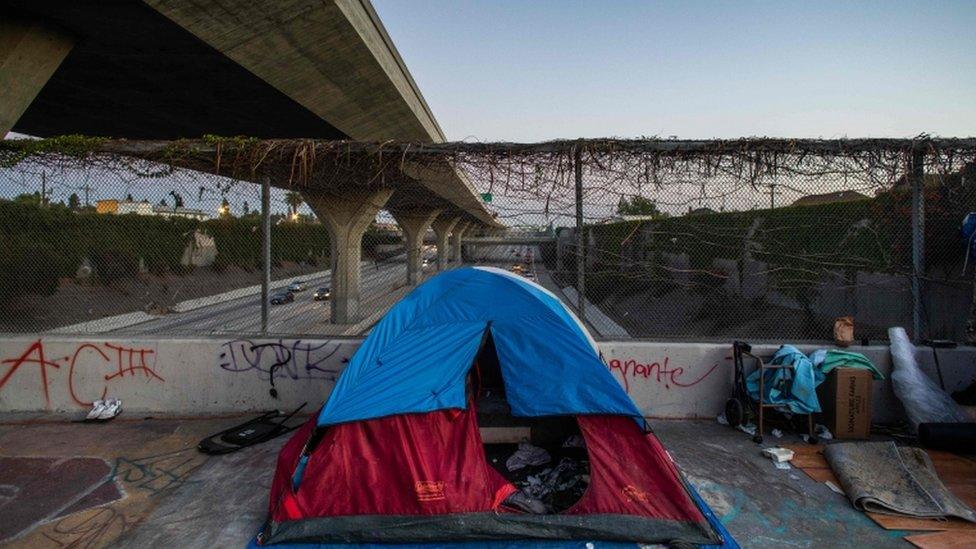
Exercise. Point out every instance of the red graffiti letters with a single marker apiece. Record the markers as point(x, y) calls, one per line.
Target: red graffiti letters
point(661, 372)
point(113, 361)
point(33, 355)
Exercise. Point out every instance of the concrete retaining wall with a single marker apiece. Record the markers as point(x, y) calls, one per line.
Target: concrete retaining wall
point(694, 380)
point(167, 376)
point(205, 376)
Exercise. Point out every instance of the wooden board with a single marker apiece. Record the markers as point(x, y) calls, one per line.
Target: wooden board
point(952, 539)
point(500, 435)
point(956, 472)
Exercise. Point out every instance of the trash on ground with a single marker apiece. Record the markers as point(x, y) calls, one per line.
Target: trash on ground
point(527, 455)
point(779, 455)
point(721, 420)
point(822, 432)
point(255, 431)
point(777, 433)
point(749, 429)
point(782, 465)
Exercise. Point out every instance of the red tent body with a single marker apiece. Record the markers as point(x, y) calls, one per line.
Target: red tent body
point(433, 465)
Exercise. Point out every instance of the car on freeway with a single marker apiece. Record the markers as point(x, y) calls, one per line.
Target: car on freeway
point(297, 286)
point(281, 298)
point(528, 274)
point(322, 293)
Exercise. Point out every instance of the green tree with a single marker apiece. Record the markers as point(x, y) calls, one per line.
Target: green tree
point(33, 198)
point(294, 201)
point(637, 205)
point(73, 201)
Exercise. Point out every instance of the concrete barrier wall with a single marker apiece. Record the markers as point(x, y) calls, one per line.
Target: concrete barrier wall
point(681, 380)
point(167, 376)
point(209, 375)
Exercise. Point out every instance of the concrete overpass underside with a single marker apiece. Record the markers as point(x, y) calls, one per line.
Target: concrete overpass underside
point(168, 69)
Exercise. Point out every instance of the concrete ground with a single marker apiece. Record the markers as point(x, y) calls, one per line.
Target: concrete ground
point(138, 482)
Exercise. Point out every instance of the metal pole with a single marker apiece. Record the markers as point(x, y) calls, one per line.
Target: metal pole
point(265, 250)
point(918, 238)
point(580, 242)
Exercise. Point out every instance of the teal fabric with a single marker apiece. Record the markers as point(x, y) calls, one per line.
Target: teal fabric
point(795, 389)
point(846, 359)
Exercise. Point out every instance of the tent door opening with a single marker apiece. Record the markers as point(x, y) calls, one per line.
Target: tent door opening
point(545, 457)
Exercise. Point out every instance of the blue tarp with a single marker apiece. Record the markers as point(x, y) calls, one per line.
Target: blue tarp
point(417, 358)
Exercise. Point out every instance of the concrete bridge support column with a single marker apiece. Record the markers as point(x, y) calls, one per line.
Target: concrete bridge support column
point(29, 55)
point(346, 216)
point(442, 228)
point(456, 235)
point(415, 225)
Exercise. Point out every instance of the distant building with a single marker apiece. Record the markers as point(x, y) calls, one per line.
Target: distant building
point(633, 217)
point(187, 213)
point(827, 198)
point(142, 207)
point(109, 206)
point(123, 207)
point(701, 211)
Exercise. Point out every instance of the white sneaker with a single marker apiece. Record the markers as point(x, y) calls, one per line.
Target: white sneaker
point(112, 408)
point(97, 408)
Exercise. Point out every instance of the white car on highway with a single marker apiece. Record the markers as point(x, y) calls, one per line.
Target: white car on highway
point(297, 286)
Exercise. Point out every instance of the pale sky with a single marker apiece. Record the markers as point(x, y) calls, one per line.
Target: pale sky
point(532, 70)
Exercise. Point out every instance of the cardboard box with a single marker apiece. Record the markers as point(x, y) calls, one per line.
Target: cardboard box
point(845, 398)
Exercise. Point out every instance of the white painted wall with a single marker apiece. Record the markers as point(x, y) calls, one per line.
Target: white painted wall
point(59, 373)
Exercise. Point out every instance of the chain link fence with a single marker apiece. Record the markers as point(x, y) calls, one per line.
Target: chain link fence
point(754, 239)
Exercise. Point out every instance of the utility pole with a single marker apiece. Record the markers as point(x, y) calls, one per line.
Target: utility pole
point(265, 250)
point(917, 176)
point(580, 242)
point(772, 195)
point(43, 188)
point(87, 188)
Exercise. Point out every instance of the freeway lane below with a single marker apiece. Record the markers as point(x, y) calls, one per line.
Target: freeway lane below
point(302, 316)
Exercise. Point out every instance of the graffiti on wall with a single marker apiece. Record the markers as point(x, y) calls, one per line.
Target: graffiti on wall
point(660, 372)
point(114, 361)
point(292, 359)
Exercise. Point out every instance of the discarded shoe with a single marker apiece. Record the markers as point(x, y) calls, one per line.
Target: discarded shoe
point(97, 408)
point(113, 407)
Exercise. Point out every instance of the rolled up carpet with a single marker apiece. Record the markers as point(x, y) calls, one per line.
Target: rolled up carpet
point(883, 478)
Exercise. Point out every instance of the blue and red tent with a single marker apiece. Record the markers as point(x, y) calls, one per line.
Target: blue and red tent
point(395, 454)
